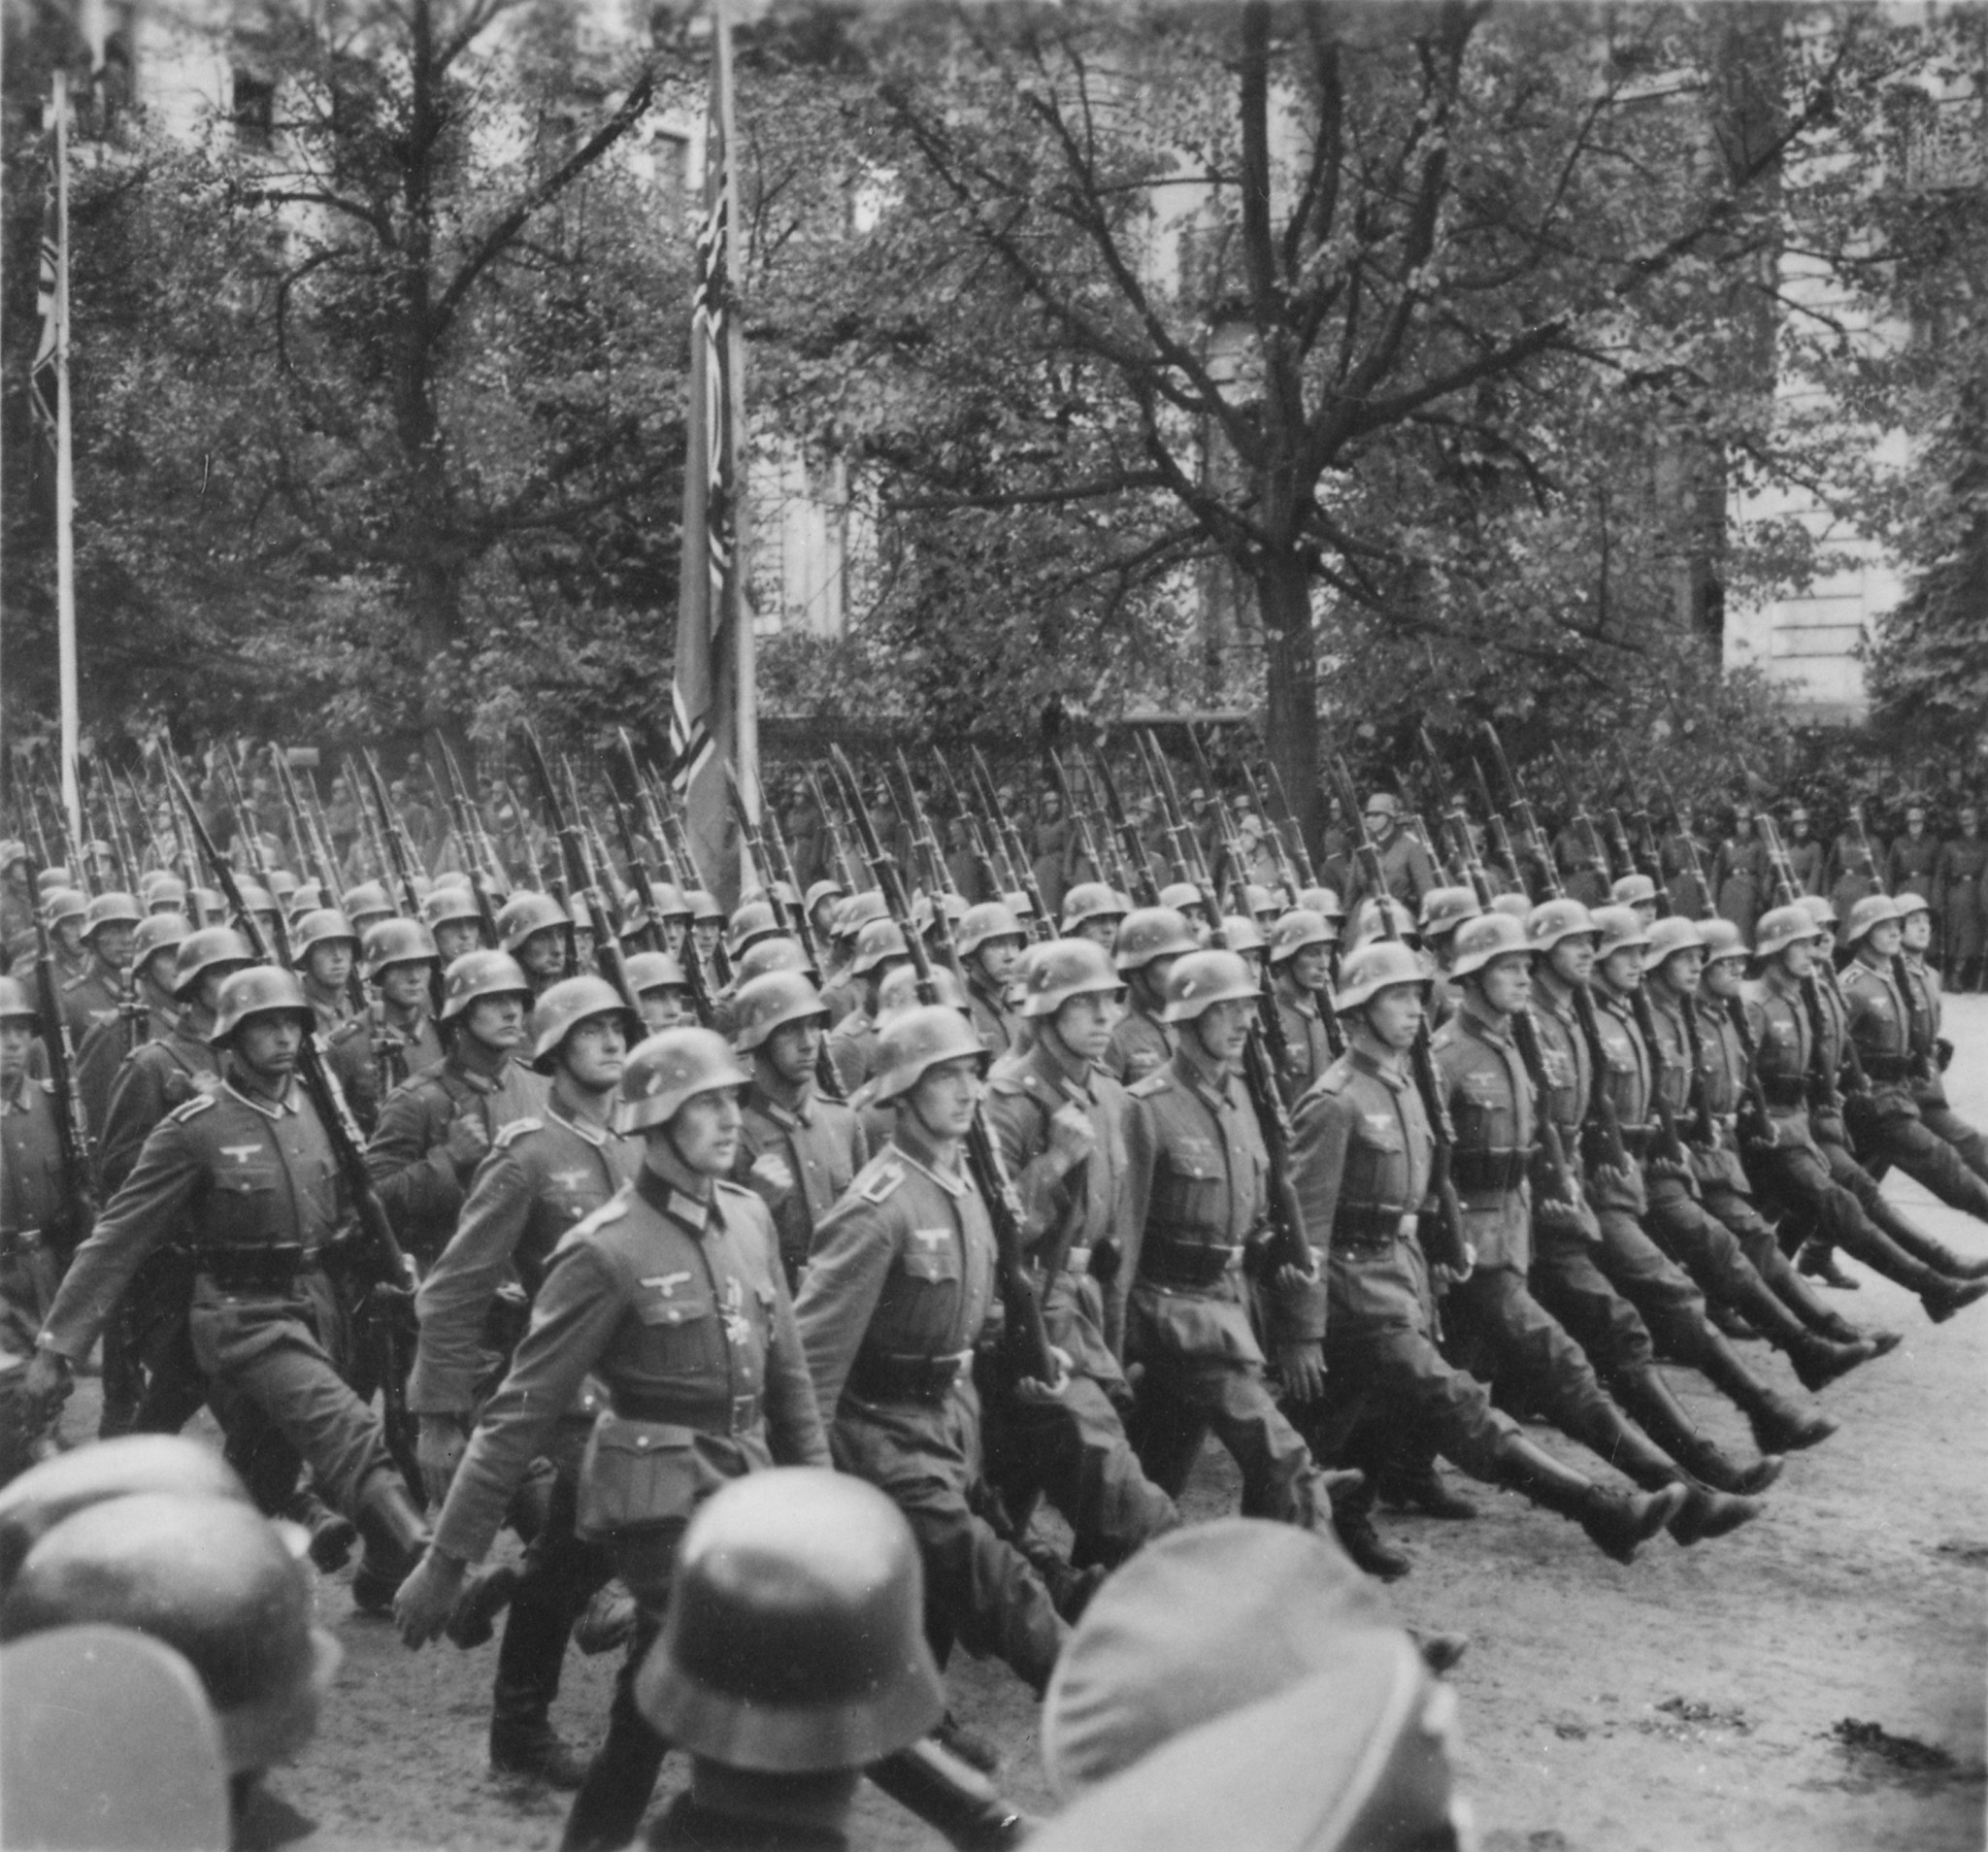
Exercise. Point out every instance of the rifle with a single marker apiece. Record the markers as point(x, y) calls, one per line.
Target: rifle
point(1687, 846)
point(375, 1256)
point(469, 837)
point(1086, 842)
point(1577, 812)
point(1024, 1314)
point(922, 834)
point(1900, 975)
point(355, 984)
point(1297, 839)
point(1138, 873)
point(1287, 873)
point(687, 956)
point(1452, 1250)
point(72, 1127)
point(983, 852)
point(80, 870)
point(1011, 837)
point(833, 830)
point(580, 880)
point(1450, 808)
point(1498, 835)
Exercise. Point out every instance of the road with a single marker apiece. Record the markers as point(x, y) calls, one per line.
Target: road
point(1690, 1702)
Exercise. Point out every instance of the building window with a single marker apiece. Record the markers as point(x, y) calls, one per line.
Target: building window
point(255, 108)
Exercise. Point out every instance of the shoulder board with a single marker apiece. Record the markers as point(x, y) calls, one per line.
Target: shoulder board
point(199, 1103)
point(1335, 1080)
point(878, 1188)
point(76, 982)
point(516, 1129)
point(1451, 1033)
point(1007, 1083)
point(1856, 972)
point(1154, 1084)
point(721, 1186)
point(612, 1210)
point(48, 1087)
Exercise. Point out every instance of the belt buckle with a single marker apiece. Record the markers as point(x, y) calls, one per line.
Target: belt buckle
point(1405, 1228)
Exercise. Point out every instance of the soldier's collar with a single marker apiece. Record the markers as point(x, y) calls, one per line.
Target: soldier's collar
point(595, 1135)
point(277, 1109)
point(1389, 1075)
point(1072, 1081)
point(14, 1094)
point(912, 1145)
point(1481, 1025)
point(1191, 1066)
point(692, 1212)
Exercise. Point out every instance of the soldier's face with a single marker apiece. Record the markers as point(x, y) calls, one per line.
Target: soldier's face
point(404, 986)
point(945, 1095)
point(455, 936)
point(498, 1022)
point(1915, 930)
point(704, 1133)
point(1722, 976)
point(998, 958)
point(1799, 959)
point(661, 1008)
point(1100, 931)
point(1885, 937)
point(1508, 983)
point(1084, 1024)
point(1622, 968)
point(330, 963)
point(1646, 911)
point(1222, 1027)
point(158, 970)
point(594, 1051)
point(1309, 966)
point(543, 952)
point(113, 944)
point(1680, 971)
point(822, 917)
point(267, 1046)
point(1394, 1015)
point(706, 931)
point(1572, 960)
point(672, 934)
point(69, 936)
point(793, 1049)
point(16, 1038)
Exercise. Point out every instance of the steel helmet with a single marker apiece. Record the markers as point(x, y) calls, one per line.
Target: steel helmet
point(778, 953)
point(950, 907)
point(1819, 910)
point(1383, 804)
point(1783, 926)
point(1722, 940)
point(1444, 908)
point(795, 1639)
point(1910, 901)
point(566, 1005)
point(448, 901)
point(166, 894)
point(1149, 932)
point(1055, 972)
point(1516, 905)
point(898, 990)
point(158, 933)
point(480, 974)
point(1019, 905)
point(1323, 900)
point(1296, 929)
point(208, 907)
point(306, 899)
point(1242, 934)
point(42, 1496)
point(654, 970)
point(64, 903)
point(1259, 901)
point(705, 910)
point(255, 897)
point(282, 883)
point(983, 921)
point(1377, 965)
point(262, 990)
point(11, 853)
point(201, 951)
point(526, 913)
point(398, 941)
point(820, 891)
point(754, 921)
point(15, 1002)
point(919, 1038)
point(1673, 933)
point(858, 911)
point(879, 939)
point(211, 1578)
point(669, 1068)
point(48, 880)
point(1488, 936)
point(1180, 896)
point(1554, 921)
point(320, 928)
point(1620, 928)
point(1633, 890)
point(1874, 910)
point(671, 902)
point(770, 1000)
point(110, 910)
point(1368, 921)
point(1088, 901)
point(1204, 977)
point(365, 901)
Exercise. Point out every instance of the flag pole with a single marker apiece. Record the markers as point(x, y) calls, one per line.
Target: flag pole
point(65, 478)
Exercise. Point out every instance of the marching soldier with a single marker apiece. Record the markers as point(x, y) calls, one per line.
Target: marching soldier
point(989, 940)
point(1362, 1163)
point(842, 989)
point(365, 905)
point(99, 994)
point(853, 1041)
point(323, 945)
point(535, 930)
point(246, 1172)
point(433, 1132)
point(396, 1037)
point(662, 992)
point(544, 1175)
point(65, 910)
point(147, 1014)
point(452, 915)
point(37, 1218)
point(671, 1295)
point(1931, 1050)
point(1148, 944)
point(897, 1293)
point(1092, 910)
point(798, 1151)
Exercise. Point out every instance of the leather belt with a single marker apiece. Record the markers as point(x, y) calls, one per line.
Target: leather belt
point(1785, 1089)
point(1191, 1265)
point(1372, 1225)
point(1888, 1066)
point(263, 1268)
point(739, 1414)
point(1483, 1170)
point(883, 1376)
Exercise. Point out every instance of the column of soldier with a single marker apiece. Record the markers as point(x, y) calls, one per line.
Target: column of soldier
point(609, 1201)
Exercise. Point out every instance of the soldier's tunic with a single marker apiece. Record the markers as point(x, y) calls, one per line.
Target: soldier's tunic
point(421, 1185)
point(841, 992)
point(37, 1218)
point(1492, 1317)
point(1909, 863)
point(541, 1178)
point(109, 1045)
point(1200, 1194)
point(1682, 862)
point(676, 1303)
point(1584, 877)
point(95, 995)
point(1405, 868)
point(820, 1143)
point(252, 1182)
point(1140, 1044)
point(1887, 1123)
point(1810, 862)
point(1308, 1037)
point(1075, 1451)
point(1743, 877)
point(1361, 1156)
point(1958, 892)
point(852, 1047)
point(895, 1299)
point(332, 1004)
point(377, 1051)
point(993, 1016)
point(1929, 1089)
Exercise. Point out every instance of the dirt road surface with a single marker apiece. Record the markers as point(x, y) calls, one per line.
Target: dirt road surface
point(1696, 1702)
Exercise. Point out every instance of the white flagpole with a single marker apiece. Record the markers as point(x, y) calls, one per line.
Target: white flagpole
point(65, 478)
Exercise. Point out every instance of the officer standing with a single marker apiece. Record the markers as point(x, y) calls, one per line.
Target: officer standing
point(37, 1218)
point(1932, 1051)
point(1361, 1164)
point(1963, 901)
point(672, 1293)
point(798, 1151)
point(543, 1174)
point(248, 1172)
point(989, 940)
point(1149, 942)
point(433, 1132)
point(897, 1293)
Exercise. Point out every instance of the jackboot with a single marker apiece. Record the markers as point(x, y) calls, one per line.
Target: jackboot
point(1809, 1305)
point(1412, 1482)
point(332, 1533)
point(1616, 1522)
point(1945, 1297)
point(1779, 1425)
point(1647, 1395)
point(1352, 1520)
point(1818, 1260)
point(1818, 1361)
point(1919, 1246)
point(1703, 1512)
point(395, 1533)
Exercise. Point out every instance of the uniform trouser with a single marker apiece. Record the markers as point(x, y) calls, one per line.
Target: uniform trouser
point(1761, 1243)
point(1893, 1133)
point(269, 1357)
point(979, 1590)
point(1498, 1330)
point(1969, 1145)
point(1075, 1452)
point(1567, 1278)
point(622, 1778)
point(1710, 1253)
point(1797, 1176)
point(561, 1574)
point(1671, 1307)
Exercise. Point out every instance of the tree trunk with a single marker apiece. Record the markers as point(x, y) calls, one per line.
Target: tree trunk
point(1283, 590)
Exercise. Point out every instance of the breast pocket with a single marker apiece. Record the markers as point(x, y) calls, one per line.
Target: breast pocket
point(934, 1263)
point(1481, 1111)
point(243, 1203)
point(686, 1306)
point(1187, 1186)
